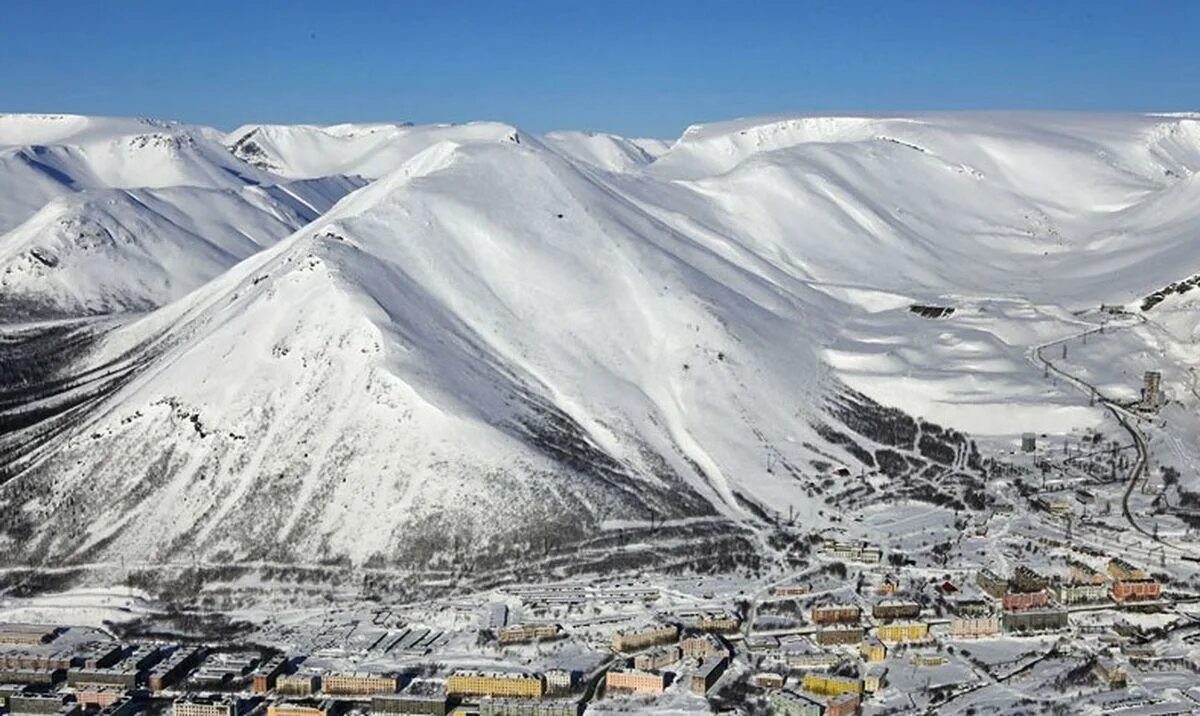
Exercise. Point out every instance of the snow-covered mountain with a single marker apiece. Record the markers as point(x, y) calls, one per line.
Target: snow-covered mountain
point(106, 215)
point(505, 340)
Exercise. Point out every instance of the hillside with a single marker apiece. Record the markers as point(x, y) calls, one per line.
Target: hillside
point(514, 341)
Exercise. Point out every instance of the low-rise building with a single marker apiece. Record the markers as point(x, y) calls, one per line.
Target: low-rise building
point(791, 590)
point(853, 551)
point(637, 682)
point(497, 683)
point(641, 638)
point(27, 634)
point(836, 614)
point(707, 674)
point(657, 658)
point(1111, 673)
point(902, 632)
point(826, 685)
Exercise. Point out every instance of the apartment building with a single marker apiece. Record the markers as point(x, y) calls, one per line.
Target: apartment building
point(358, 684)
point(642, 638)
point(840, 635)
point(496, 683)
point(836, 614)
point(657, 659)
point(902, 632)
point(1140, 590)
point(707, 674)
point(971, 627)
point(192, 706)
point(826, 685)
point(521, 633)
point(896, 609)
point(637, 682)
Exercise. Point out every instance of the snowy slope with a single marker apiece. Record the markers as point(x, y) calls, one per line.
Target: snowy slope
point(102, 215)
point(607, 151)
point(368, 150)
point(114, 251)
point(505, 339)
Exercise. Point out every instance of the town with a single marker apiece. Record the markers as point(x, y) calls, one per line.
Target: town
point(853, 634)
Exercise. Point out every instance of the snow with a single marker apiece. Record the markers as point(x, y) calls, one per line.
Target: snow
point(510, 338)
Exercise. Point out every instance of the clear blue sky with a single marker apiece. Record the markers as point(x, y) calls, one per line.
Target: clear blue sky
point(638, 68)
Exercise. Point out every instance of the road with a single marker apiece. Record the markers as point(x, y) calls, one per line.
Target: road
point(1128, 421)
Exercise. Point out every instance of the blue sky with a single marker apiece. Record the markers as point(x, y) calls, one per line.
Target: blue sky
point(645, 68)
